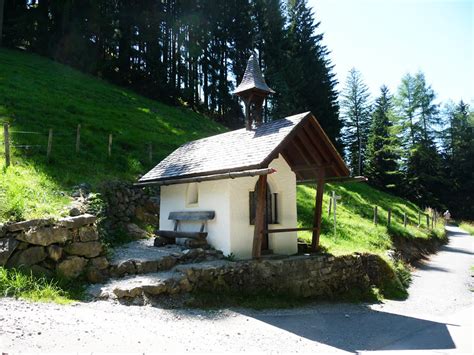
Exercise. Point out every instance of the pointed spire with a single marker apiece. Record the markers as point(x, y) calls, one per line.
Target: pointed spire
point(253, 79)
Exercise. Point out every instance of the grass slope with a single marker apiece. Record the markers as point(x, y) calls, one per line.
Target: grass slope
point(355, 228)
point(37, 94)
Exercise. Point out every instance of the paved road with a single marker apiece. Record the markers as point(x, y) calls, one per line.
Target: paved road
point(437, 317)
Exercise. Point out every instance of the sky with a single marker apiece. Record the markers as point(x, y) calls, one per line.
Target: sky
point(385, 39)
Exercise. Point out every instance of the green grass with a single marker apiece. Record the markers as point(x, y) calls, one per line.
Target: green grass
point(355, 230)
point(20, 284)
point(467, 226)
point(37, 94)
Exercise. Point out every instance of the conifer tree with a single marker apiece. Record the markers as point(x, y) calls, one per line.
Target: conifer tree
point(355, 110)
point(381, 160)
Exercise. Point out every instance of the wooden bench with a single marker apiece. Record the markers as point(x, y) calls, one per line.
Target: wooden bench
point(187, 216)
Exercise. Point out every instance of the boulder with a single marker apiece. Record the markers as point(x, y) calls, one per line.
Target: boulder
point(160, 241)
point(3, 230)
point(76, 222)
point(71, 267)
point(27, 257)
point(75, 211)
point(88, 234)
point(96, 276)
point(26, 225)
point(99, 263)
point(55, 252)
point(135, 231)
point(38, 270)
point(45, 236)
point(7, 247)
point(87, 249)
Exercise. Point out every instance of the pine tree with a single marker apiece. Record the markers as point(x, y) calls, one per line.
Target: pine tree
point(381, 159)
point(355, 110)
point(308, 71)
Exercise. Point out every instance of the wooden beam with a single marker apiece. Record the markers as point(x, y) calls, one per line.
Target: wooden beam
point(259, 216)
point(229, 175)
point(310, 167)
point(318, 209)
point(283, 230)
point(336, 180)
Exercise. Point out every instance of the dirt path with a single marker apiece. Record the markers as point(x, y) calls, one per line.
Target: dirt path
point(438, 315)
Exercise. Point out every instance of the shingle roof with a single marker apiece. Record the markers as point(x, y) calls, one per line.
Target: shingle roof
point(232, 151)
point(253, 78)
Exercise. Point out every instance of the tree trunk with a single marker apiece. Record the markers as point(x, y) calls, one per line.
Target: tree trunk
point(2, 3)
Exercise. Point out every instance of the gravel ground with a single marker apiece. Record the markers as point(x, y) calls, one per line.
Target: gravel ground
point(437, 317)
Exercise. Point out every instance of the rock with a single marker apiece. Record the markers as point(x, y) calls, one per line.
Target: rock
point(195, 243)
point(76, 222)
point(160, 241)
point(72, 267)
point(75, 211)
point(25, 225)
point(99, 263)
point(27, 257)
point(135, 231)
point(126, 267)
point(55, 252)
point(38, 270)
point(45, 236)
point(3, 230)
point(7, 247)
point(87, 249)
point(88, 234)
point(95, 276)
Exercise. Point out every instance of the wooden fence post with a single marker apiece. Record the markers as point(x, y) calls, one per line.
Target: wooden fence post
point(427, 220)
point(432, 219)
point(330, 204)
point(6, 141)
point(375, 215)
point(50, 144)
point(389, 216)
point(110, 144)
point(419, 219)
point(404, 219)
point(150, 152)
point(78, 138)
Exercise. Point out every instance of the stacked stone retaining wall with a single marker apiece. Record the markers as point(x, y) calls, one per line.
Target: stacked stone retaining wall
point(68, 247)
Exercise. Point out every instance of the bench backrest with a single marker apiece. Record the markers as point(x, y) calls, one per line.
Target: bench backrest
point(192, 215)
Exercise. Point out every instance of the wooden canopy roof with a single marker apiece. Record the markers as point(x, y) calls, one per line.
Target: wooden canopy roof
point(299, 139)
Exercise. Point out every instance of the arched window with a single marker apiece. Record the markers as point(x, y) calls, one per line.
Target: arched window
point(271, 214)
point(192, 194)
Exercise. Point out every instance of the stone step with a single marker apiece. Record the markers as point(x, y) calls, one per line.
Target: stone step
point(135, 288)
point(142, 257)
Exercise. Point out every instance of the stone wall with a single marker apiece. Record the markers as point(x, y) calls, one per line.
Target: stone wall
point(68, 247)
point(126, 203)
point(314, 276)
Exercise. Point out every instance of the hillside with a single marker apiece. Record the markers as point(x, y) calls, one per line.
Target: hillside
point(37, 94)
point(355, 228)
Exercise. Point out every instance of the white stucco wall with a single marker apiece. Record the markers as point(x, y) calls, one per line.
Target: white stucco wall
point(231, 231)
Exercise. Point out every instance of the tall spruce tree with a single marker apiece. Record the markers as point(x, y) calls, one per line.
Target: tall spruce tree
point(308, 72)
point(382, 155)
point(356, 110)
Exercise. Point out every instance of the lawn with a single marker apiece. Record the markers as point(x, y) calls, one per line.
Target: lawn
point(37, 94)
point(467, 226)
point(355, 230)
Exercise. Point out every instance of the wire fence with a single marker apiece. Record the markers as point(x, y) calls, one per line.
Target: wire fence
point(45, 143)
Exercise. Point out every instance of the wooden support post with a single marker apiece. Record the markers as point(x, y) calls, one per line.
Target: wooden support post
point(334, 201)
point(150, 152)
point(427, 220)
point(110, 145)
point(375, 215)
point(389, 216)
point(318, 210)
point(259, 216)
point(6, 142)
point(404, 219)
point(78, 138)
point(50, 144)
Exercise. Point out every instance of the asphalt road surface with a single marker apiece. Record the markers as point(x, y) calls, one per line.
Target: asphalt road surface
point(436, 318)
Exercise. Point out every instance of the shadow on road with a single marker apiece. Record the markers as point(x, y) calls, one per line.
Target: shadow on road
point(365, 330)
